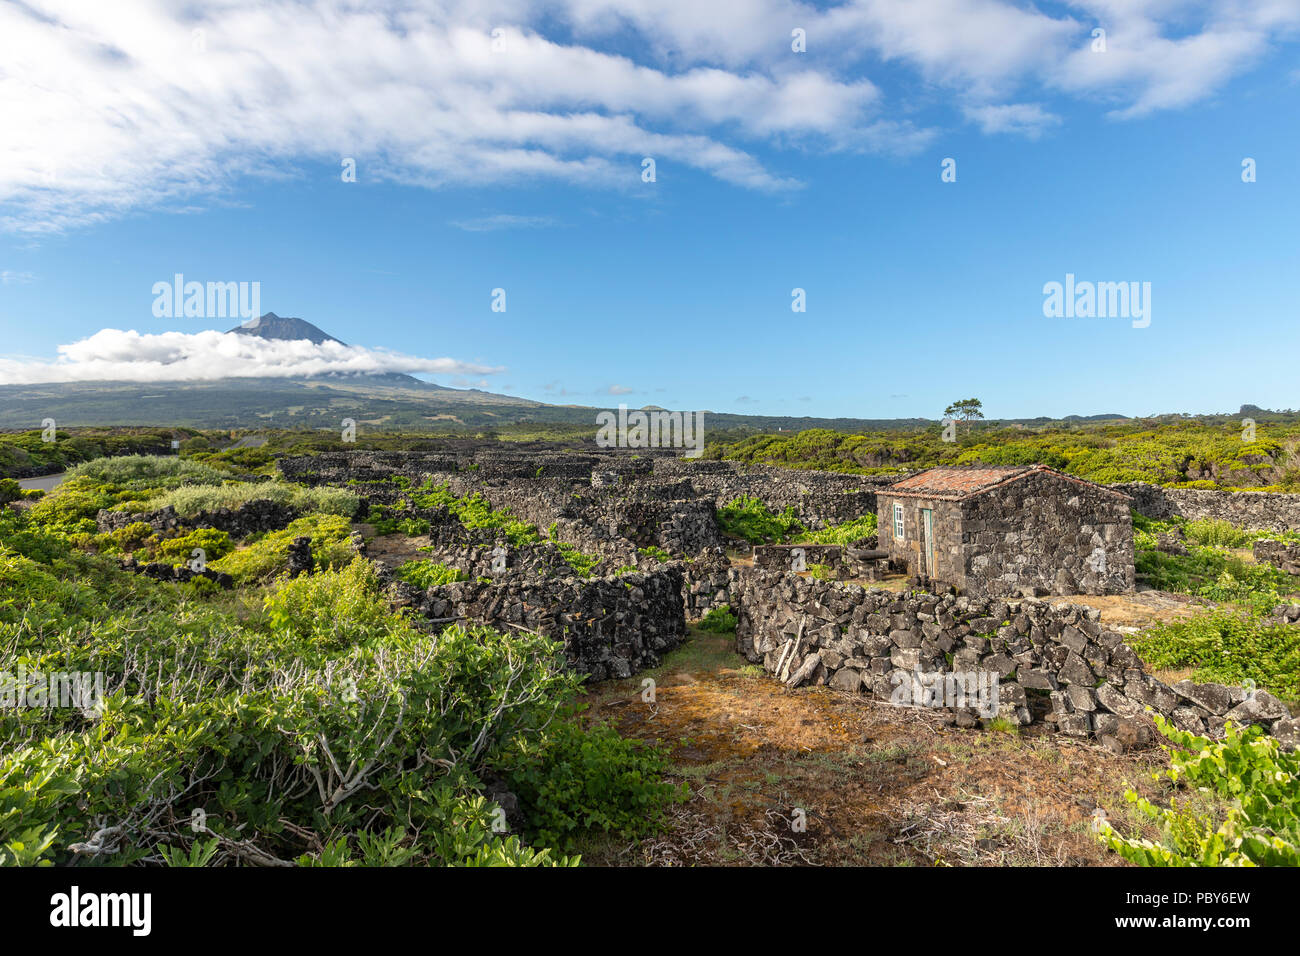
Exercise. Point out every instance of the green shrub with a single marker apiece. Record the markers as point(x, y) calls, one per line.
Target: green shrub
point(474, 512)
point(215, 544)
point(750, 519)
point(1219, 534)
point(333, 609)
point(189, 501)
point(577, 781)
point(850, 532)
point(73, 506)
point(19, 537)
point(653, 551)
point(718, 620)
point(147, 471)
point(1216, 575)
point(128, 538)
point(1259, 787)
point(10, 490)
point(424, 573)
point(268, 555)
point(1228, 648)
point(583, 564)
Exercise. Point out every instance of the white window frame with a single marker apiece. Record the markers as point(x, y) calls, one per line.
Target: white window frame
point(898, 521)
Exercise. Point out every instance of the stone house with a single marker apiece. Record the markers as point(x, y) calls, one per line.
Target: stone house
point(1009, 530)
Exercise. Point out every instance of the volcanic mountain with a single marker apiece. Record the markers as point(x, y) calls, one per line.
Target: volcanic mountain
point(289, 329)
point(272, 326)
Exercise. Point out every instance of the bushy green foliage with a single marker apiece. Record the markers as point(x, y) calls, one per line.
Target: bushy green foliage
point(576, 781)
point(319, 712)
point(10, 490)
point(21, 536)
point(29, 450)
point(656, 552)
point(424, 573)
point(583, 564)
point(850, 532)
point(191, 500)
point(268, 555)
point(1216, 575)
point(718, 620)
point(1226, 647)
point(180, 550)
point(474, 513)
point(244, 460)
point(333, 610)
point(148, 471)
point(73, 506)
point(1219, 534)
point(1168, 451)
point(386, 521)
point(750, 519)
point(1259, 785)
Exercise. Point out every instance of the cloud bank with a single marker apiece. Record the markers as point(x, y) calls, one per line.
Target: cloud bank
point(115, 106)
point(130, 356)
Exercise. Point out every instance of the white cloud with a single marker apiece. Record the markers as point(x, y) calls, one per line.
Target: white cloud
point(8, 277)
point(620, 390)
point(130, 356)
point(111, 107)
point(1027, 119)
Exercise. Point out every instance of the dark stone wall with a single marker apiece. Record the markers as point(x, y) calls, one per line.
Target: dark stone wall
point(1284, 556)
point(843, 562)
point(249, 518)
point(1054, 664)
point(819, 498)
point(610, 627)
point(1245, 509)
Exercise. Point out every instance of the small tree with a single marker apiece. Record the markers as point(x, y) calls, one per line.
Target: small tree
point(966, 410)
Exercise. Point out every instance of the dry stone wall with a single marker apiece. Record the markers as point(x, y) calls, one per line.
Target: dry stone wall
point(610, 627)
point(819, 498)
point(1053, 664)
point(249, 518)
point(1283, 555)
point(1245, 509)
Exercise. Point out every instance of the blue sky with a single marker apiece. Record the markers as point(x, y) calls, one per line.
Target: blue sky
point(775, 170)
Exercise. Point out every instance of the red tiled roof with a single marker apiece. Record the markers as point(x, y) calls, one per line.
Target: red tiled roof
point(956, 484)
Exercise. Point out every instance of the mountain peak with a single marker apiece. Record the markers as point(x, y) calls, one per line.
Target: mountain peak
point(272, 326)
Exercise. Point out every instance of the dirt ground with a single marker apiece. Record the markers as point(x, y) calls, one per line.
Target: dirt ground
point(1136, 610)
point(814, 776)
point(393, 550)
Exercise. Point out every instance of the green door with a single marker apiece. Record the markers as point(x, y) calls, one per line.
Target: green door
point(927, 539)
